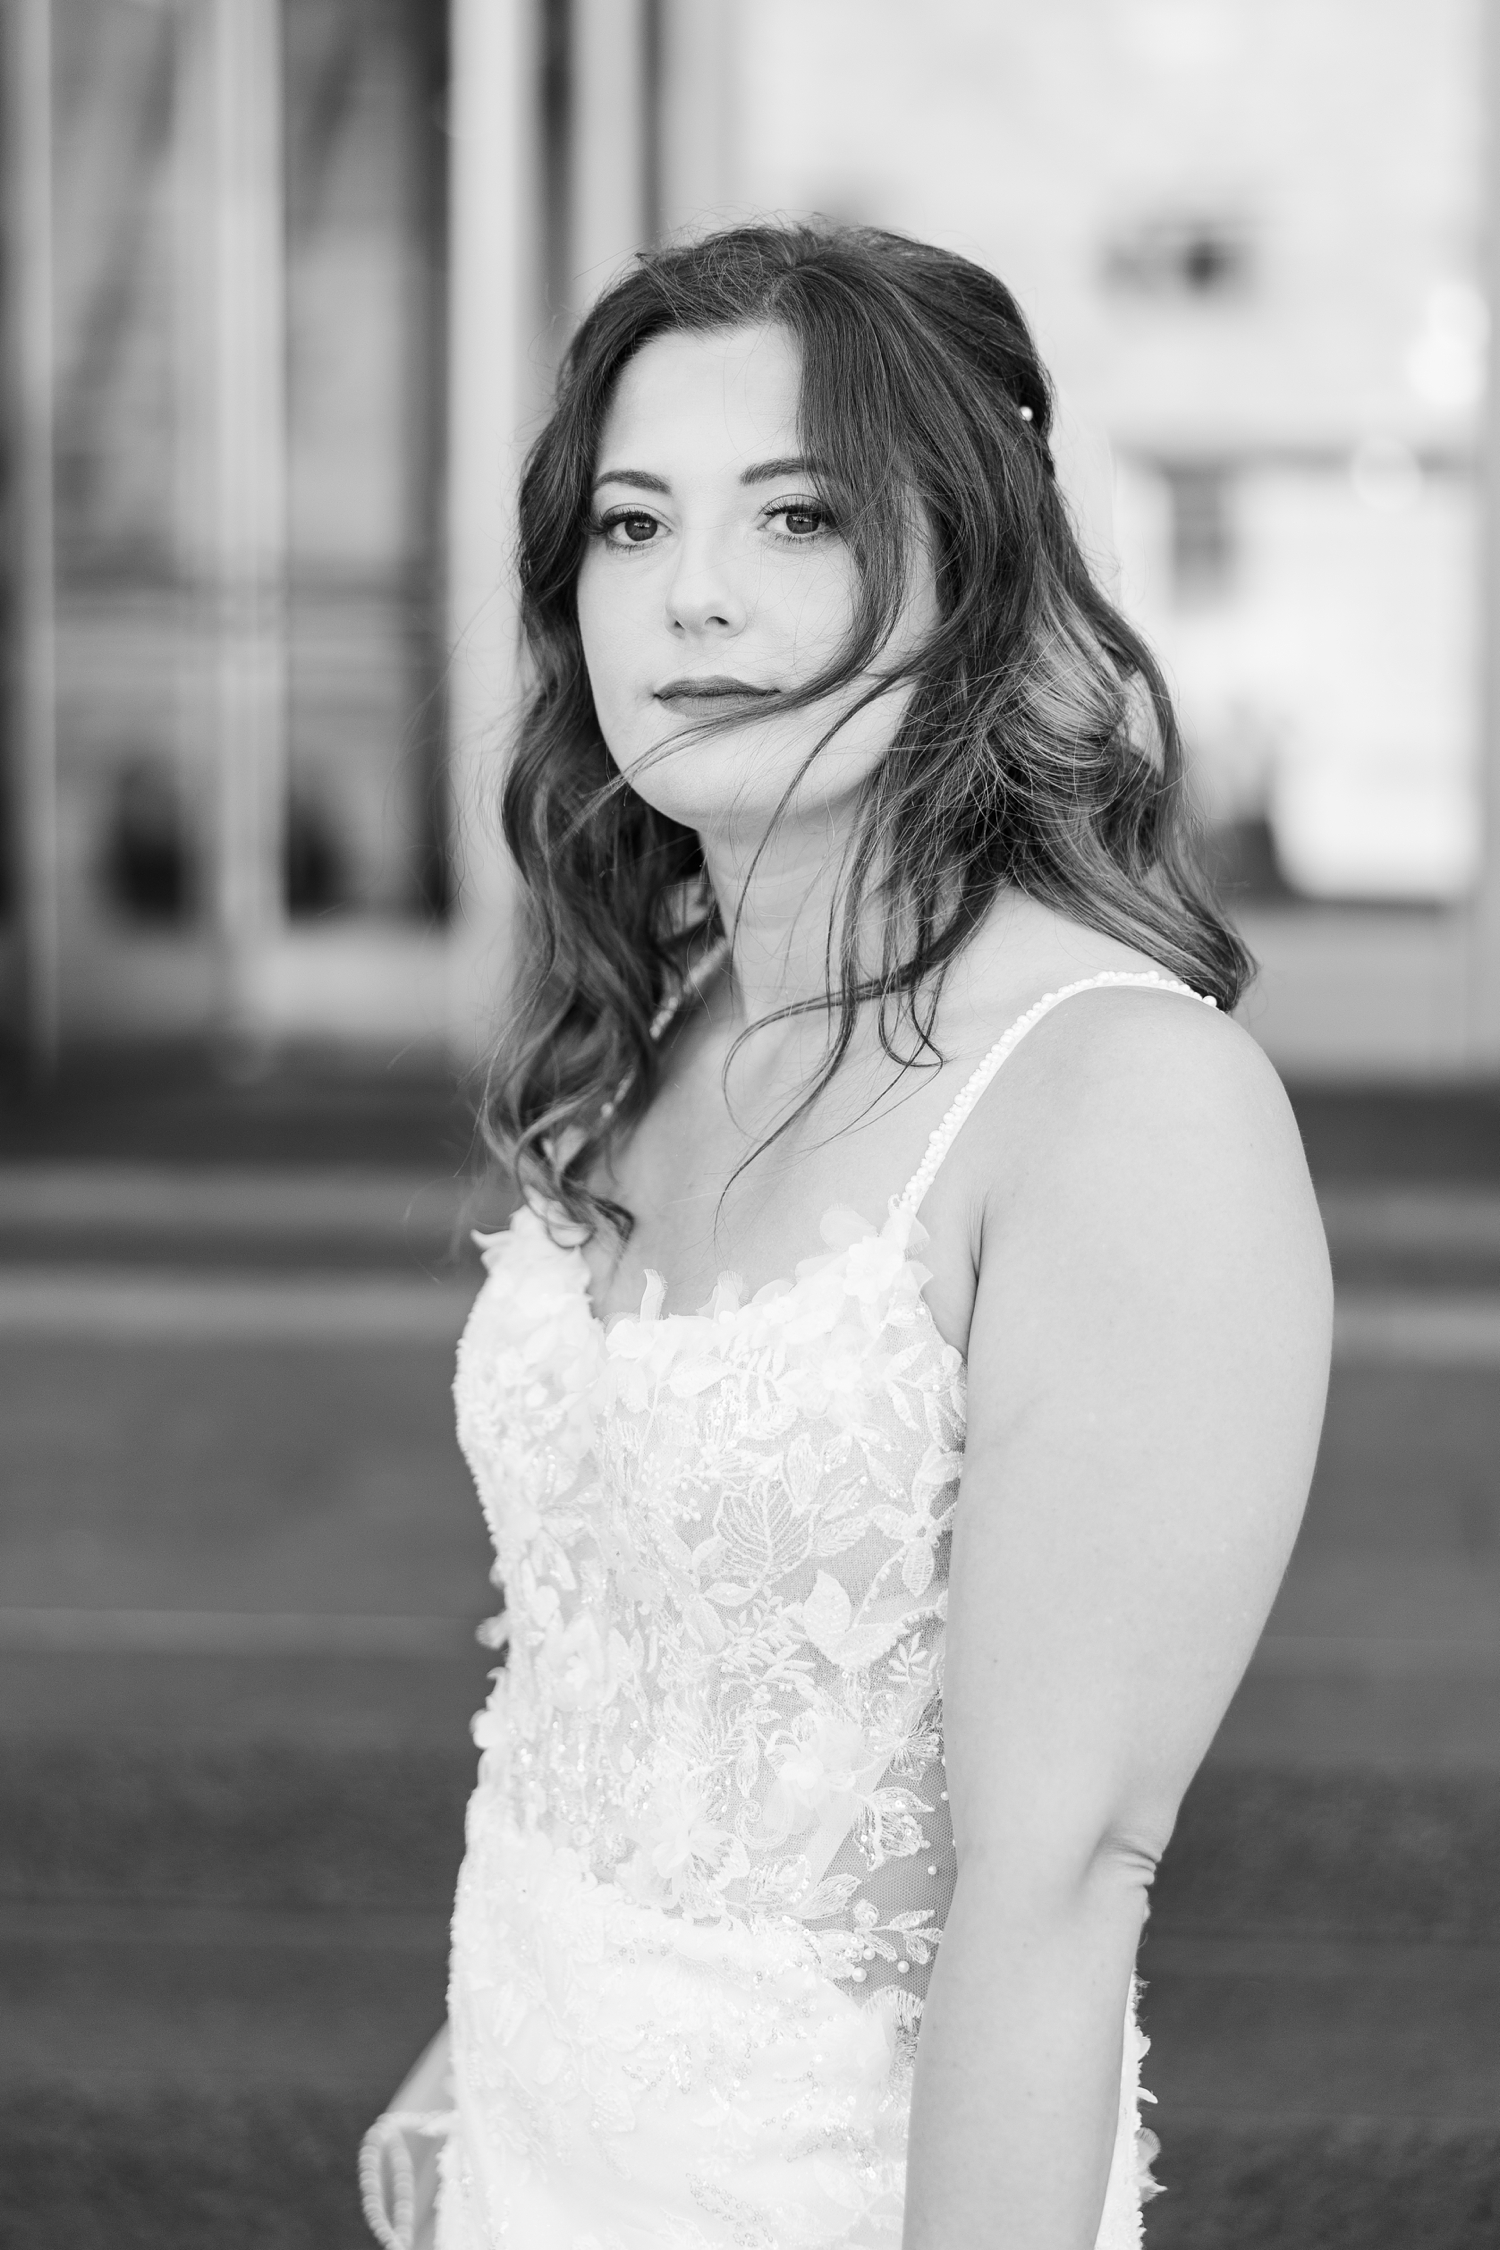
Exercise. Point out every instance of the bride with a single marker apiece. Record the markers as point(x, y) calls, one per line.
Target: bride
point(894, 1399)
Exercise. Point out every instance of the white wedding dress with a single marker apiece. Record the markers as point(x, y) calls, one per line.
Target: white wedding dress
point(709, 1856)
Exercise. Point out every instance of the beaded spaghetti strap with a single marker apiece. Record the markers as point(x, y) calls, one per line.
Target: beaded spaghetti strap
point(692, 983)
point(947, 1132)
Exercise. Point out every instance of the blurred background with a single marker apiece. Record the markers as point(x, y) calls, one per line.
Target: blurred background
point(282, 285)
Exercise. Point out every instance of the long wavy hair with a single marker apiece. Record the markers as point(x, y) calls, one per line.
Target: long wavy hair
point(1038, 745)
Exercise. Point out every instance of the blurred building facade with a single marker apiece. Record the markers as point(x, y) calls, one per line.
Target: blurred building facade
point(284, 282)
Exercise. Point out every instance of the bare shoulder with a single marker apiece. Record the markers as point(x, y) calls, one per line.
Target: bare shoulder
point(1143, 1127)
point(1120, 1051)
point(1154, 1077)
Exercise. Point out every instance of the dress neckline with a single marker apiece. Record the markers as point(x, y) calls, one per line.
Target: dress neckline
point(727, 1301)
point(729, 1304)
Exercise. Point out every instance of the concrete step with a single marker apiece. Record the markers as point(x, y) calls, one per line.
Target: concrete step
point(383, 1696)
point(1363, 1855)
point(1298, 2029)
point(1335, 1711)
point(198, 1107)
point(1318, 2096)
point(1259, 2183)
point(237, 1475)
point(216, 1470)
point(1409, 1463)
point(106, 1996)
point(174, 2167)
point(1262, 1852)
point(186, 2167)
point(269, 1823)
point(165, 1500)
point(201, 1104)
point(239, 1217)
point(192, 2076)
point(1414, 1135)
point(1422, 1233)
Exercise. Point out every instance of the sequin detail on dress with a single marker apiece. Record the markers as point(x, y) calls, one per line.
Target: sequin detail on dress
point(709, 1856)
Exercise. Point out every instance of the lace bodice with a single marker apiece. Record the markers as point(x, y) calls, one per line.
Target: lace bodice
point(723, 1539)
point(724, 1542)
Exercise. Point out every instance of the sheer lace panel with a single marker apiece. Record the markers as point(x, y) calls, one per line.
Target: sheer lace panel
point(724, 1539)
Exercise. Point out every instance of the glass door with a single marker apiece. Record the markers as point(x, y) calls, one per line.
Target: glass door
point(226, 310)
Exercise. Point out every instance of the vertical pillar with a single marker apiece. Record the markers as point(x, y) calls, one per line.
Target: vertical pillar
point(1484, 1014)
point(612, 160)
point(695, 111)
point(233, 405)
point(496, 379)
point(31, 713)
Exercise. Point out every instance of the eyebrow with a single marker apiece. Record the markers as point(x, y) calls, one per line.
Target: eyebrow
point(759, 472)
point(788, 465)
point(641, 477)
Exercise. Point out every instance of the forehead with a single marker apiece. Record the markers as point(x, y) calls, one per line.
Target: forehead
point(725, 397)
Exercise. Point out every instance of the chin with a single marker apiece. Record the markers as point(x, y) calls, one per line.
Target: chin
point(703, 780)
point(738, 778)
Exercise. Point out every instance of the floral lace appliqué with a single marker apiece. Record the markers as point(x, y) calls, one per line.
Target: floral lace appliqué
point(709, 1856)
point(724, 1543)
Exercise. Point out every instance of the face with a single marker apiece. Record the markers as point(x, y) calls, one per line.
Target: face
point(715, 582)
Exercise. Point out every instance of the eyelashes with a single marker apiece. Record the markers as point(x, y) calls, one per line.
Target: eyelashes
point(632, 528)
point(617, 519)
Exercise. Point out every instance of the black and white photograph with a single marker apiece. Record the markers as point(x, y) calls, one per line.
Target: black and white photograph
point(749, 1125)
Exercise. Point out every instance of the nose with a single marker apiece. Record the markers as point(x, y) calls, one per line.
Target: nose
point(705, 597)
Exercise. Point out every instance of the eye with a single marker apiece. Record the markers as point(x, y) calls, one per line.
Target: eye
point(629, 527)
point(800, 520)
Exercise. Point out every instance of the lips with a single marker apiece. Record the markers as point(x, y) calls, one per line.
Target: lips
point(714, 692)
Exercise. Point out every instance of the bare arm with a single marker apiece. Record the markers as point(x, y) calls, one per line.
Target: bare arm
point(1147, 1367)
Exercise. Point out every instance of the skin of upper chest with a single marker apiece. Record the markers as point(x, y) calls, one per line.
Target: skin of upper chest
point(710, 1190)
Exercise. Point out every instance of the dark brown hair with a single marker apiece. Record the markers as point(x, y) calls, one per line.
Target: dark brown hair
point(1038, 745)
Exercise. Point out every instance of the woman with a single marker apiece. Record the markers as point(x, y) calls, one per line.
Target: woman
point(886, 1510)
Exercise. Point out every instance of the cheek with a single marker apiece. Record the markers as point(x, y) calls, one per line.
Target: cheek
point(594, 627)
point(811, 609)
point(613, 641)
point(611, 636)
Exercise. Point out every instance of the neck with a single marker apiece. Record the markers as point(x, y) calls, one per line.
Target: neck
point(779, 896)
